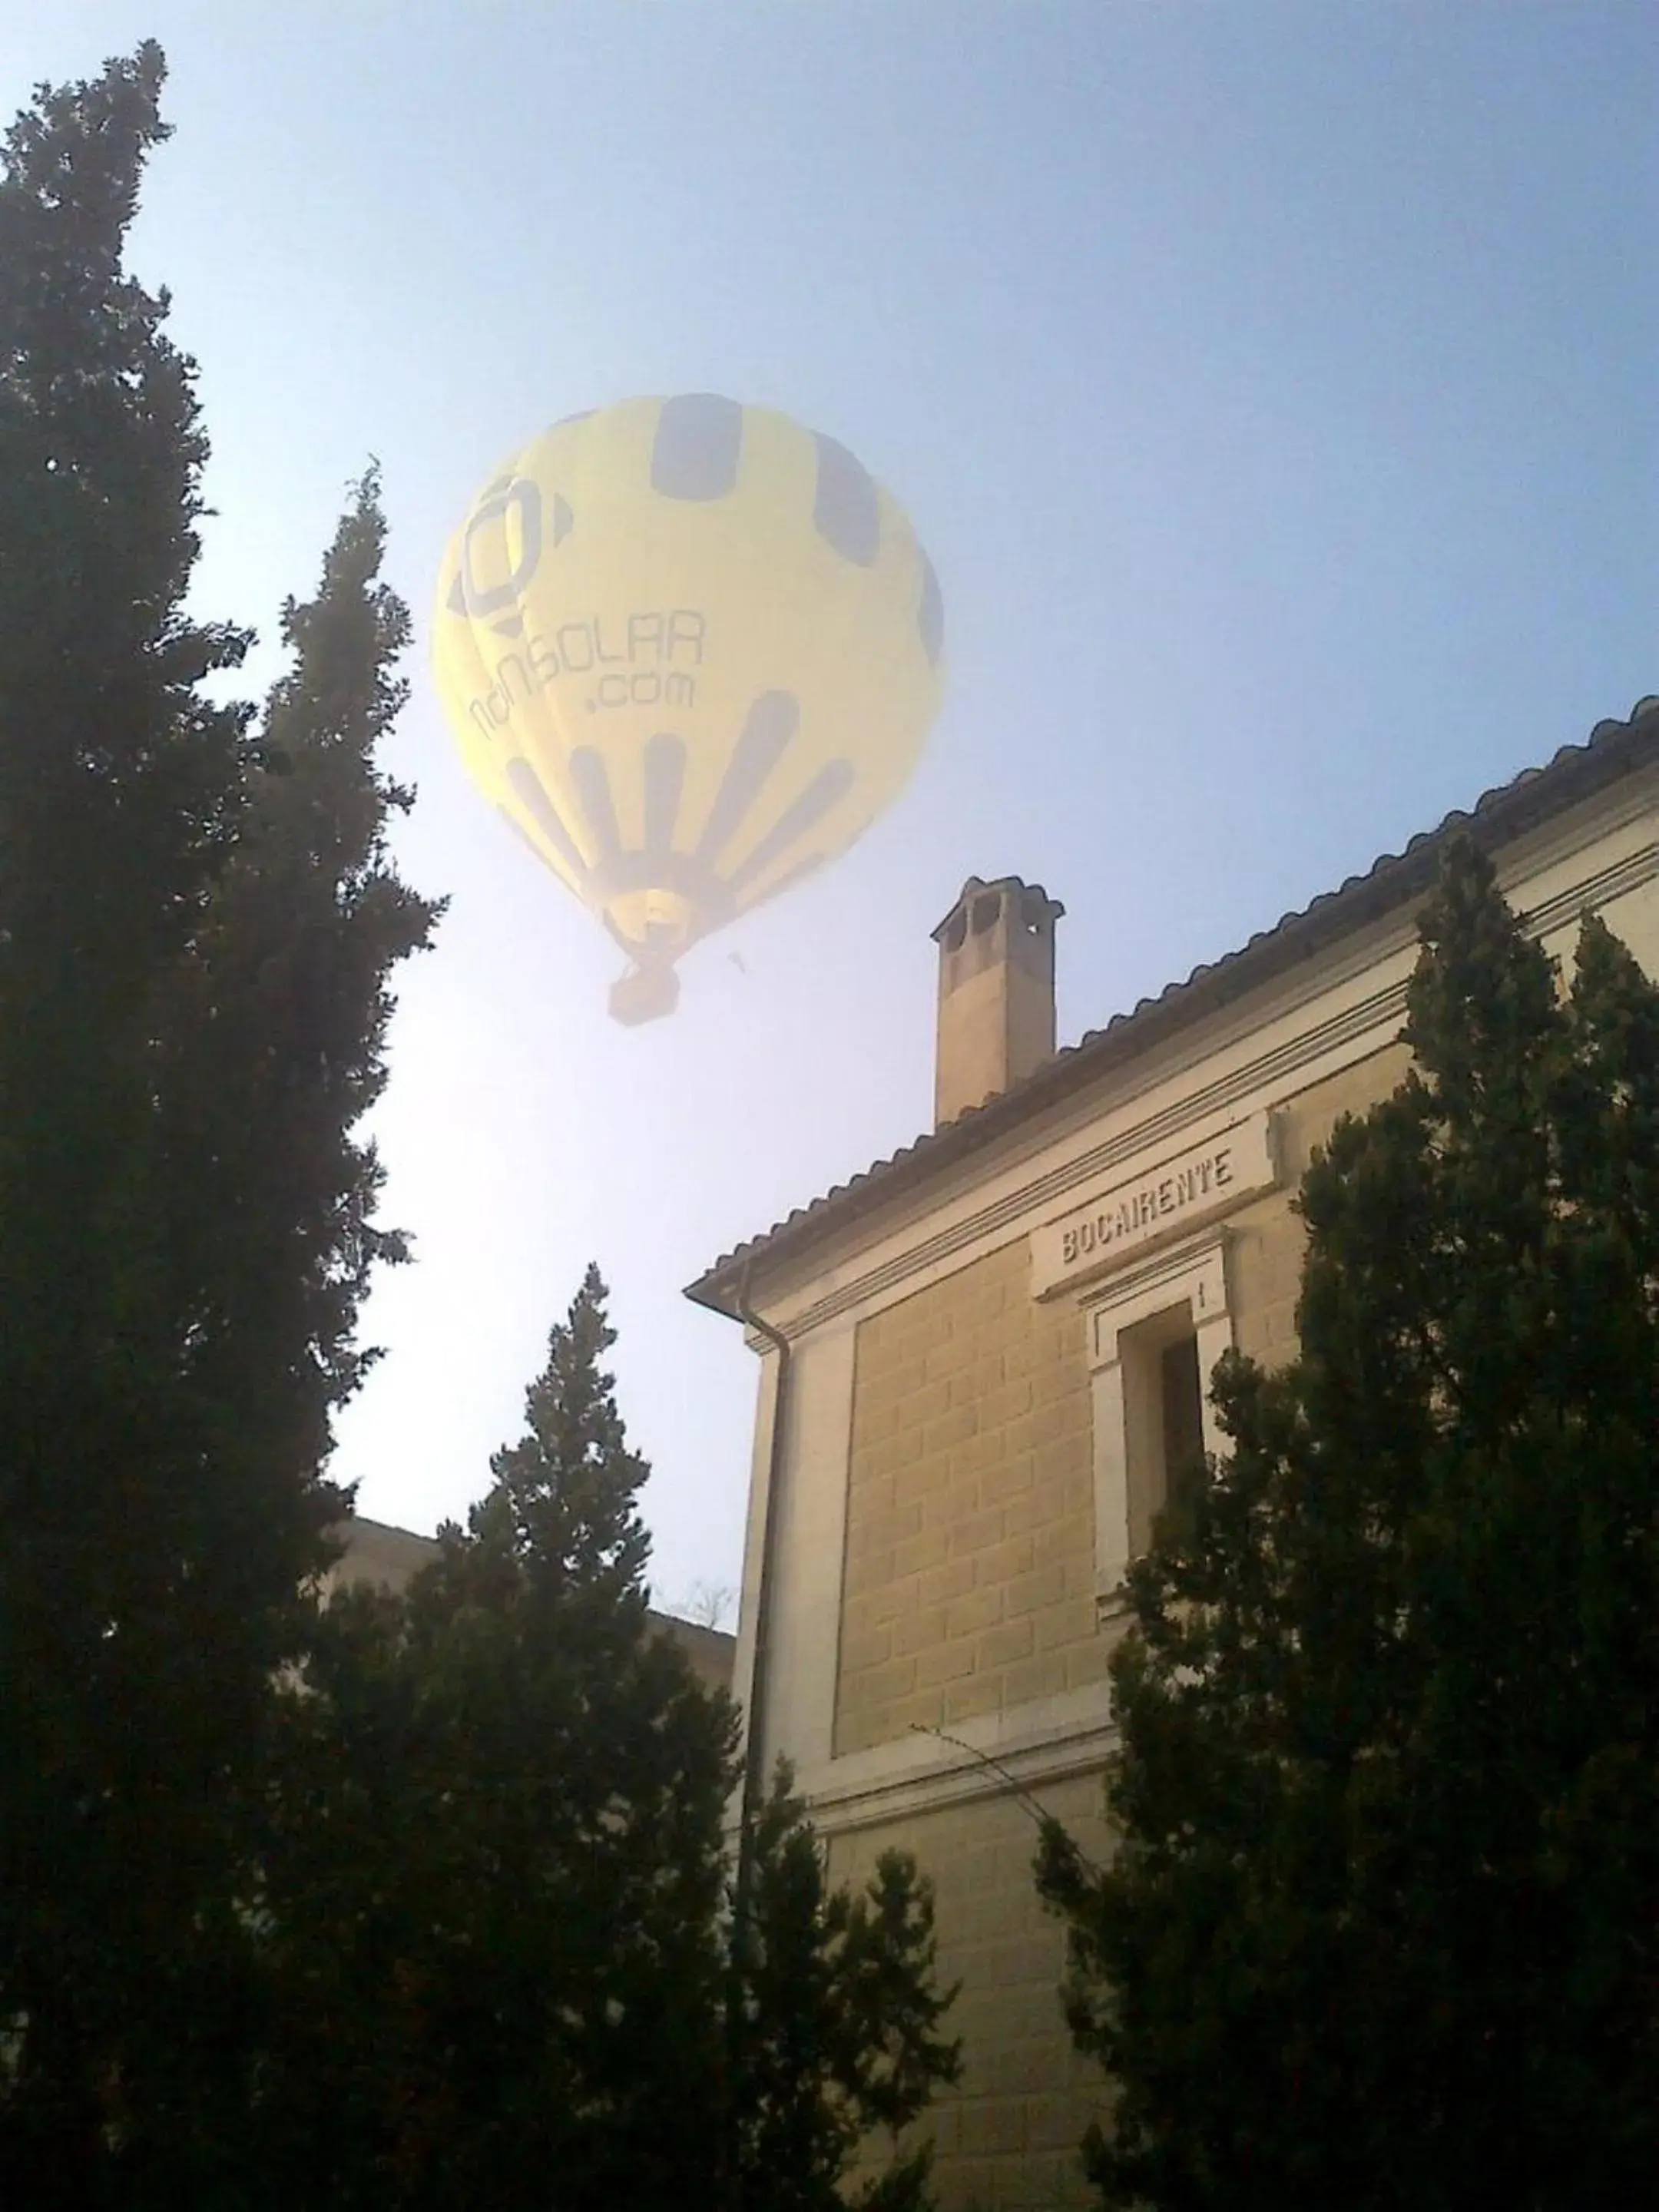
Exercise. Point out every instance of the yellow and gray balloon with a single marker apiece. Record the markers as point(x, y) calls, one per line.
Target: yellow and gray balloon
point(690, 650)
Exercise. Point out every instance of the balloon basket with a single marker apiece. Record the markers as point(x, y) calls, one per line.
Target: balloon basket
point(644, 994)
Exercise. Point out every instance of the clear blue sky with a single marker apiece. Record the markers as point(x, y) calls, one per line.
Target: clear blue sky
point(1273, 386)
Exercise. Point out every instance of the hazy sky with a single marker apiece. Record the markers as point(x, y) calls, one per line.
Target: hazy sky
point(1273, 384)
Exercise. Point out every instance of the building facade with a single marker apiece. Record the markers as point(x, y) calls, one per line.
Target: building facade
point(980, 1356)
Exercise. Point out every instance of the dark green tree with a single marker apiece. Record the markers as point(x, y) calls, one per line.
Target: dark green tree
point(497, 1904)
point(498, 1886)
point(271, 1049)
point(196, 926)
point(1383, 1929)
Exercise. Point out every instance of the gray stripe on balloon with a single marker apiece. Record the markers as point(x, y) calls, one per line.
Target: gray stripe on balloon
point(527, 790)
point(592, 780)
point(522, 834)
point(832, 784)
point(664, 780)
point(845, 509)
point(791, 876)
point(772, 721)
point(695, 453)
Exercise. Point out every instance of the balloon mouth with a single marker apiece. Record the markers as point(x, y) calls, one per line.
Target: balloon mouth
point(657, 905)
point(662, 930)
point(656, 925)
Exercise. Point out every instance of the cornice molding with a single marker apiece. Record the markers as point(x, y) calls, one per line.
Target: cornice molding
point(1266, 1071)
point(1061, 1737)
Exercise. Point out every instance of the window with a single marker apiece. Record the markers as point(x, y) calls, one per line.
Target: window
point(1154, 1338)
point(1183, 1392)
point(1163, 1412)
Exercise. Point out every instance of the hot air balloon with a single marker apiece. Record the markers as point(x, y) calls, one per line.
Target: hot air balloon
point(690, 650)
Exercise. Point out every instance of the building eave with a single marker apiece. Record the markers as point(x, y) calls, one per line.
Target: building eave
point(1612, 751)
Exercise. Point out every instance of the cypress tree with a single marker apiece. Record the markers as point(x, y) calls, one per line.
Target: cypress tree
point(496, 1893)
point(837, 2041)
point(196, 926)
point(498, 1905)
point(1383, 1927)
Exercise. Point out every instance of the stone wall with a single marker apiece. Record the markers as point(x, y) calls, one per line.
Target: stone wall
point(968, 1583)
point(969, 1536)
point(1007, 2136)
point(1265, 1240)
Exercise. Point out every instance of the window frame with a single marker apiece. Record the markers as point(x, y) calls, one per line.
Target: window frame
point(1194, 1274)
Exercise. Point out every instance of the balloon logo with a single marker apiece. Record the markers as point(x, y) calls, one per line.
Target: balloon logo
point(690, 651)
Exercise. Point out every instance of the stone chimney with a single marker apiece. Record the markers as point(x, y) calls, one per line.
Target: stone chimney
point(996, 992)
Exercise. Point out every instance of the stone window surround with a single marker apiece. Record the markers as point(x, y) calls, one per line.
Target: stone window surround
point(1194, 1274)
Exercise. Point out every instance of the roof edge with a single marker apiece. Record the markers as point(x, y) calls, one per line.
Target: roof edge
point(1612, 750)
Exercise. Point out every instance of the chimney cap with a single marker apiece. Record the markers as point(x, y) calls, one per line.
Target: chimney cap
point(975, 884)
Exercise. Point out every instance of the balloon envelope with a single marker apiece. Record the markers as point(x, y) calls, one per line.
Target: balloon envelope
point(690, 650)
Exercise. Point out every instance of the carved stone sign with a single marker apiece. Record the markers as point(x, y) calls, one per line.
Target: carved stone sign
point(1157, 1203)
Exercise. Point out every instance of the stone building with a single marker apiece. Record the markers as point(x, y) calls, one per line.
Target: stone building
point(979, 1355)
point(375, 1552)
